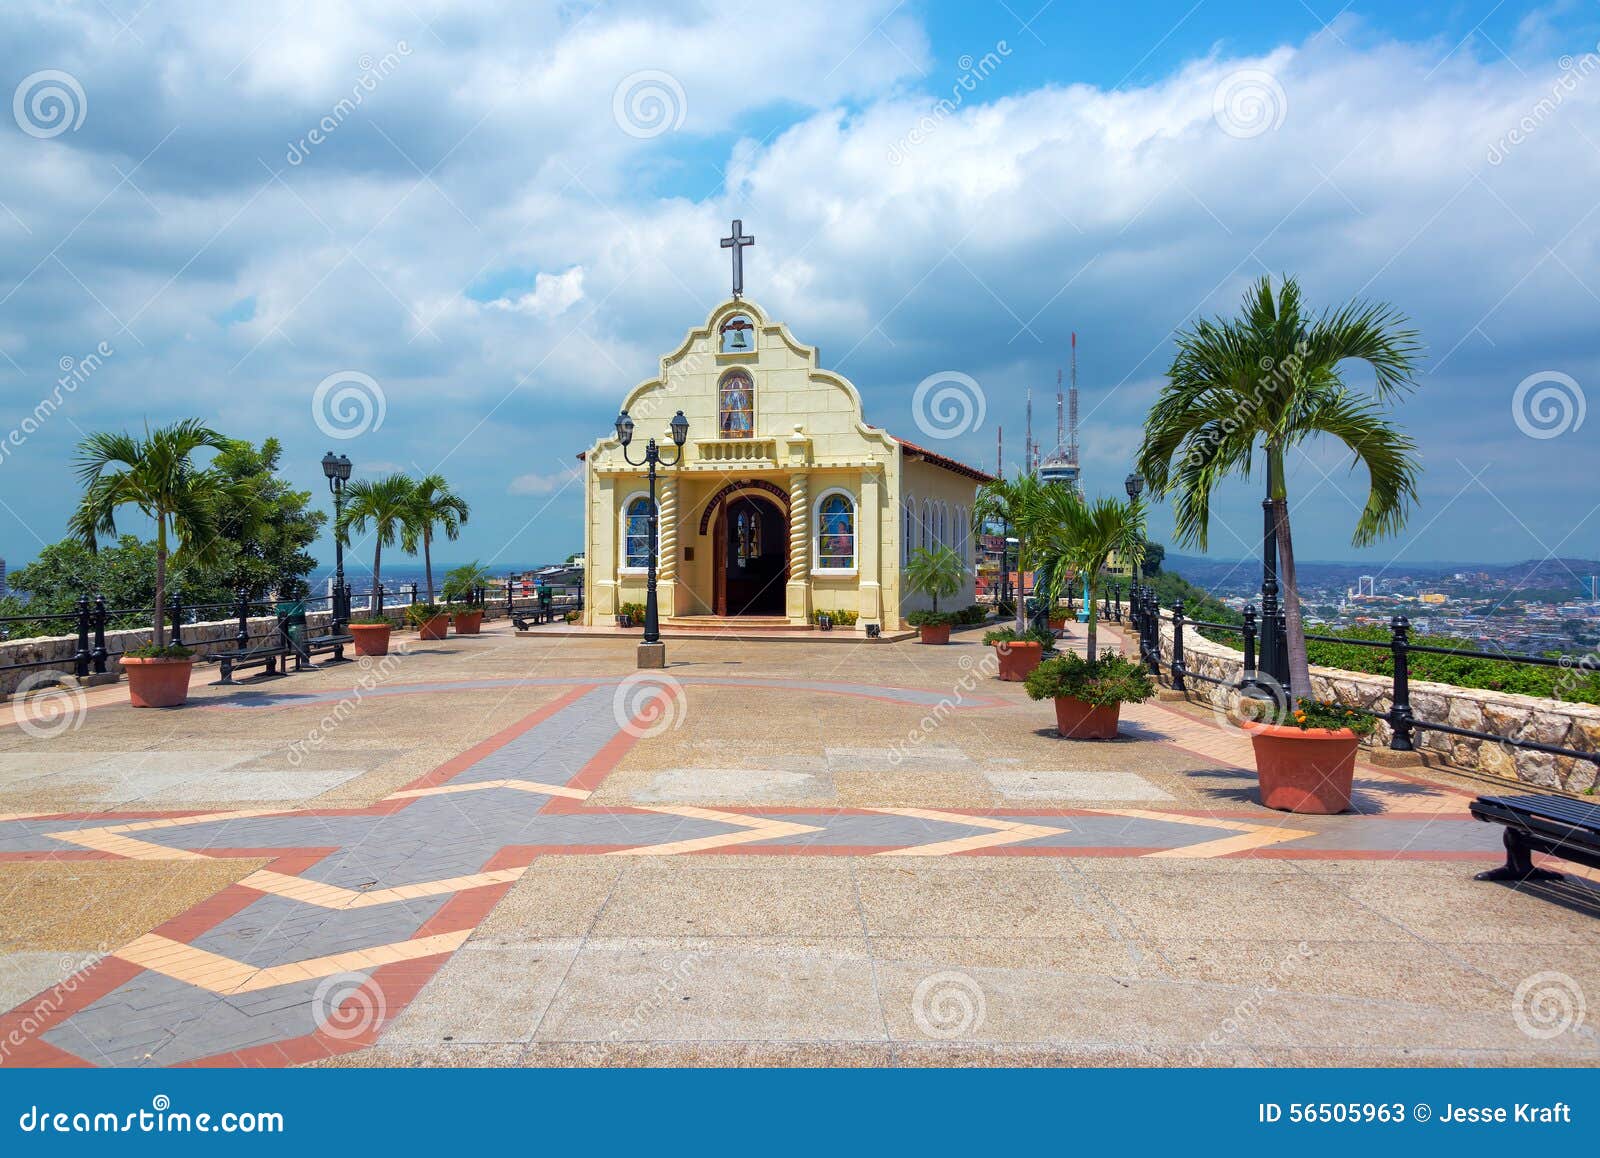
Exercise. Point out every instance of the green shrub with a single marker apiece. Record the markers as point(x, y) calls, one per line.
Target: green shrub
point(1108, 680)
point(419, 613)
point(931, 618)
point(973, 613)
point(151, 651)
point(1309, 713)
point(1009, 635)
point(370, 620)
point(634, 611)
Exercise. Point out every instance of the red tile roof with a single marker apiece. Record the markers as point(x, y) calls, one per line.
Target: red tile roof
point(933, 458)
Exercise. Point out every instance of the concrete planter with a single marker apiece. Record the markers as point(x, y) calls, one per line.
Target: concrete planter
point(1308, 770)
point(157, 683)
point(467, 622)
point(1076, 720)
point(1018, 659)
point(371, 638)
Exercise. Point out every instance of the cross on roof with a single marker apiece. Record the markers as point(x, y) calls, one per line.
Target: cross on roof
point(736, 242)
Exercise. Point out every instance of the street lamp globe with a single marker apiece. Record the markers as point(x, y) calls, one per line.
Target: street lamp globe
point(1135, 485)
point(680, 428)
point(624, 428)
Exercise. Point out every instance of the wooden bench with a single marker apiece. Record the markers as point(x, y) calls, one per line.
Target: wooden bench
point(1553, 825)
point(334, 642)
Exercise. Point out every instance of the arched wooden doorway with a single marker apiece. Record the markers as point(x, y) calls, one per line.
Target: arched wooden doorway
point(750, 556)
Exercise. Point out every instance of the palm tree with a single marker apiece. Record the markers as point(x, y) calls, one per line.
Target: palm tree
point(434, 504)
point(936, 572)
point(1272, 376)
point(382, 504)
point(1077, 537)
point(156, 475)
point(1014, 502)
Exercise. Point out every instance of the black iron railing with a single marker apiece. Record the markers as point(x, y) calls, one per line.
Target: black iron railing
point(1266, 668)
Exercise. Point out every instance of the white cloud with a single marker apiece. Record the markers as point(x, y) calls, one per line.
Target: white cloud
point(546, 484)
point(552, 295)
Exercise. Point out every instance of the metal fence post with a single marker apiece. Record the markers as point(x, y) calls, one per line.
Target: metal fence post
point(1400, 718)
point(177, 620)
point(1116, 602)
point(509, 606)
point(1249, 644)
point(375, 600)
point(1177, 645)
point(241, 607)
point(99, 653)
point(1281, 670)
point(413, 600)
point(80, 659)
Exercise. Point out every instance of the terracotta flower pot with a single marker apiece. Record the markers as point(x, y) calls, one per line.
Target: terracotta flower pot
point(935, 634)
point(467, 622)
point(1058, 623)
point(1305, 771)
point(1018, 658)
point(1076, 720)
point(434, 628)
point(371, 638)
point(157, 683)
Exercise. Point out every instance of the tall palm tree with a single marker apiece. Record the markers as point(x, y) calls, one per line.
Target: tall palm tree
point(383, 505)
point(433, 504)
point(155, 474)
point(1075, 535)
point(1273, 376)
point(1014, 502)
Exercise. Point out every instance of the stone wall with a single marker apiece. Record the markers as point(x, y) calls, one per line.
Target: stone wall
point(57, 651)
point(1516, 717)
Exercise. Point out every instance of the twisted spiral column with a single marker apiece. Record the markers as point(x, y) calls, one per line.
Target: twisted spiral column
point(667, 528)
point(799, 528)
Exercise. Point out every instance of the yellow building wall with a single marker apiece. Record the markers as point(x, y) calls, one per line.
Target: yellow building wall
point(809, 437)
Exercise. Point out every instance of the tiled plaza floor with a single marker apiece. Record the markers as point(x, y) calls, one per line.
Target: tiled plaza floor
point(511, 850)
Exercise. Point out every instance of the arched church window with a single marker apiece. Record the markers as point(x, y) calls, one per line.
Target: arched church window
point(736, 405)
point(636, 533)
point(908, 532)
point(927, 523)
point(737, 335)
point(836, 532)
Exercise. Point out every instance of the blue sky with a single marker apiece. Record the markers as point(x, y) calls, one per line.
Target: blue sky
point(490, 240)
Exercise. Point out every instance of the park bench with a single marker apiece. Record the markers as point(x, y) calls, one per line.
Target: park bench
point(264, 655)
point(1553, 825)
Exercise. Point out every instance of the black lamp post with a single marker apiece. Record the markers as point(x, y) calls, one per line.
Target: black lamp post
point(652, 455)
point(337, 469)
point(1134, 485)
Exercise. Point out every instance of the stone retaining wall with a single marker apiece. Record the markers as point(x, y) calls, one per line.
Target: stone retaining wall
point(205, 638)
point(1514, 716)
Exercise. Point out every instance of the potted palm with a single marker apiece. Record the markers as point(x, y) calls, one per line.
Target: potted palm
point(382, 506)
point(1077, 539)
point(156, 475)
point(1018, 652)
point(1014, 504)
point(1089, 693)
point(461, 587)
point(934, 572)
point(1272, 376)
point(433, 505)
point(1307, 763)
point(430, 620)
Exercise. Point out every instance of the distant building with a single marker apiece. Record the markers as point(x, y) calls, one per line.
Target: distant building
point(5, 588)
point(1433, 597)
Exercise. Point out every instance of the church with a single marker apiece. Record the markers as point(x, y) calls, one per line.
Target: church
point(783, 501)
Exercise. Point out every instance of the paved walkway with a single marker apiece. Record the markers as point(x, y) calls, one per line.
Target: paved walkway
point(346, 913)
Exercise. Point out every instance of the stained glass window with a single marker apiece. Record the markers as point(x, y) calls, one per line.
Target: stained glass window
point(836, 532)
point(638, 533)
point(736, 406)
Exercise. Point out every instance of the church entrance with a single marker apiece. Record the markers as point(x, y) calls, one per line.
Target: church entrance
point(752, 557)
